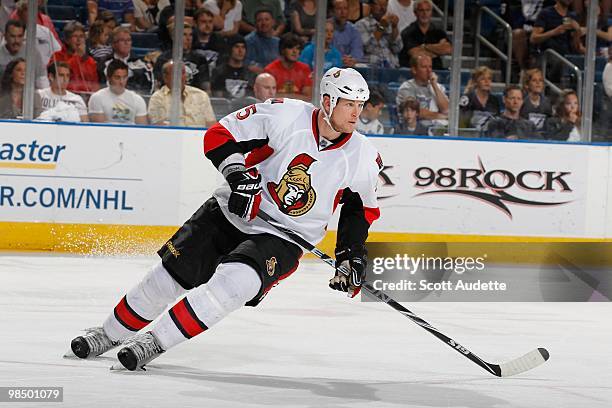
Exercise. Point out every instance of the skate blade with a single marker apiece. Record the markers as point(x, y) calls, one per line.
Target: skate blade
point(120, 367)
point(70, 355)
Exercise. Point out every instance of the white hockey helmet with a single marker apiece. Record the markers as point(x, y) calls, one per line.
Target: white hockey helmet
point(345, 83)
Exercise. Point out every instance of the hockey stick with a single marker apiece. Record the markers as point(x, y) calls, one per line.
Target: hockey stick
point(530, 360)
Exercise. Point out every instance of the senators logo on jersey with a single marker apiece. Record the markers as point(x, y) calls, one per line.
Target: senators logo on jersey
point(271, 265)
point(294, 194)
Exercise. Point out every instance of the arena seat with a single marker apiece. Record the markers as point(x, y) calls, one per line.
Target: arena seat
point(221, 106)
point(62, 12)
point(145, 40)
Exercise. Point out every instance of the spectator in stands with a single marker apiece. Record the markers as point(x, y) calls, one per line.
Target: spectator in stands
point(146, 13)
point(21, 13)
point(232, 79)
point(140, 74)
point(262, 45)
point(357, 9)
point(522, 16)
point(120, 8)
point(603, 35)
point(536, 107)
point(115, 103)
point(6, 8)
point(303, 17)
point(555, 29)
point(477, 104)
point(580, 8)
point(410, 124)
point(423, 38)
point(198, 73)
point(509, 124)
point(47, 40)
point(227, 15)
point(368, 122)
point(424, 87)
point(264, 87)
point(605, 117)
point(83, 68)
point(404, 10)
point(346, 36)
point(293, 78)
point(121, 44)
point(565, 125)
point(333, 58)
point(98, 41)
point(607, 77)
point(166, 18)
point(380, 36)
point(251, 9)
point(196, 109)
point(108, 18)
point(12, 84)
point(13, 46)
point(206, 41)
point(56, 102)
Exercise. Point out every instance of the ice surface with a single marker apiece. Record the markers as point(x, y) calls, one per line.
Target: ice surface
point(304, 346)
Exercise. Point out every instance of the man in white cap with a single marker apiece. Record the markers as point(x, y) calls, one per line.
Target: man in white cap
point(303, 162)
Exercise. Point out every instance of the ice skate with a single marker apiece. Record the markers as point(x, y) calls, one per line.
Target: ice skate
point(138, 351)
point(92, 344)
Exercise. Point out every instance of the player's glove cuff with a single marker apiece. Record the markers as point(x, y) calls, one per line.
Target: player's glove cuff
point(354, 260)
point(245, 184)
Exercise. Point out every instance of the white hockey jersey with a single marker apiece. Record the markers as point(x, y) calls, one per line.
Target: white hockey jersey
point(304, 176)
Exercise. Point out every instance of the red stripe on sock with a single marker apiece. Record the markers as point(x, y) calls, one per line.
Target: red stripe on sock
point(128, 317)
point(189, 324)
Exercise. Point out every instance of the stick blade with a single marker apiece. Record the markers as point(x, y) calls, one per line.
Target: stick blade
point(519, 365)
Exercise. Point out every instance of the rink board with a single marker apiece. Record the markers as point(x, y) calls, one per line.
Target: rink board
point(99, 188)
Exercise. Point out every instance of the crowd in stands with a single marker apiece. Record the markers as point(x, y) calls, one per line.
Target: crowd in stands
point(113, 62)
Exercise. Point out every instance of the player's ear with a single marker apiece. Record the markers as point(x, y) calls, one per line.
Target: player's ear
point(326, 103)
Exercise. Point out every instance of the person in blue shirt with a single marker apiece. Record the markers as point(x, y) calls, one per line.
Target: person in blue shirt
point(262, 45)
point(333, 58)
point(347, 38)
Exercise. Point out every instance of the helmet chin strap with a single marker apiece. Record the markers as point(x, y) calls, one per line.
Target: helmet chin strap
point(327, 118)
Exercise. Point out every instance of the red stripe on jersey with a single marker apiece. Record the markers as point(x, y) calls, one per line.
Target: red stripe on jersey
point(315, 125)
point(338, 144)
point(337, 199)
point(186, 320)
point(258, 155)
point(216, 136)
point(128, 317)
point(371, 214)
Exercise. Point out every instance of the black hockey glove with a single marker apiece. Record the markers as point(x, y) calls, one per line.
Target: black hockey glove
point(355, 260)
point(245, 197)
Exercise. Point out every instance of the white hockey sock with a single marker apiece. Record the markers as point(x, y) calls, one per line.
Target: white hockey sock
point(143, 303)
point(232, 285)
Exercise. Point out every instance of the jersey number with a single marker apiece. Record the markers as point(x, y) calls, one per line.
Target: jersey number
point(247, 112)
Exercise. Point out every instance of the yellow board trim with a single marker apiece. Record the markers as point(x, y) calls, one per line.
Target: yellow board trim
point(100, 239)
point(117, 239)
point(13, 165)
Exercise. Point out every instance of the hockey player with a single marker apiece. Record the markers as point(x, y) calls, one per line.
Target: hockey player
point(286, 157)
